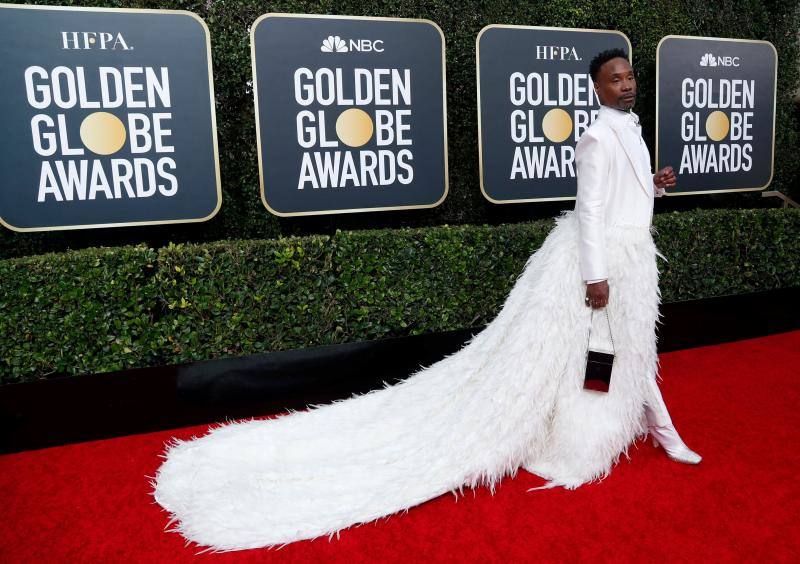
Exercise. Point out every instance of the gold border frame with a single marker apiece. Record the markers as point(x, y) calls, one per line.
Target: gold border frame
point(210, 68)
point(258, 128)
point(774, 110)
point(478, 84)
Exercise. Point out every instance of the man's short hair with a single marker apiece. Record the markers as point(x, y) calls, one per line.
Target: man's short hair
point(603, 57)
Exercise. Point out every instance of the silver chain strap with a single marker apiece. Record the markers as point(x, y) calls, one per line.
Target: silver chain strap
point(588, 337)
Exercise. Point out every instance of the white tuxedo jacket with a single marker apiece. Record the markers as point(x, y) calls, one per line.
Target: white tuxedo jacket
point(615, 184)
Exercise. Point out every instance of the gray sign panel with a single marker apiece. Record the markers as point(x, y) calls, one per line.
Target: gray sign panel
point(108, 117)
point(715, 116)
point(351, 113)
point(535, 100)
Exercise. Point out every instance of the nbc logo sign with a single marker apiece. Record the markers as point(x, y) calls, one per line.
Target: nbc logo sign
point(708, 60)
point(333, 44)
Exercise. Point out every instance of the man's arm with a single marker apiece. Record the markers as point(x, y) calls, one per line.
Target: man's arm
point(592, 169)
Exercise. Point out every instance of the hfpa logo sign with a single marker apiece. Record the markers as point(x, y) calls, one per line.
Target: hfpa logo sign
point(335, 44)
point(93, 40)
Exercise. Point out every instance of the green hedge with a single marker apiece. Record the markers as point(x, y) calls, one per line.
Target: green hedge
point(98, 310)
point(243, 215)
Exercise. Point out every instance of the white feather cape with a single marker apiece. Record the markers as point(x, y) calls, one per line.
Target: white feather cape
point(511, 397)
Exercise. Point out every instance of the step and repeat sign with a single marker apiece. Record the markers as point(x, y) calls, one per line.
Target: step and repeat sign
point(716, 113)
point(108, 118)
point(351, 113)
point(535, 99)
point(109, 114)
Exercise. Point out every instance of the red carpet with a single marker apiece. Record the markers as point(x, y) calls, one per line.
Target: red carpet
point(737, 404)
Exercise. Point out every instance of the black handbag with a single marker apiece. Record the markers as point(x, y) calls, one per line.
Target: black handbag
point(599, 364)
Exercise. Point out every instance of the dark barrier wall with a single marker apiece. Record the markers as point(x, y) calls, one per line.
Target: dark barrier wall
point(243, 214)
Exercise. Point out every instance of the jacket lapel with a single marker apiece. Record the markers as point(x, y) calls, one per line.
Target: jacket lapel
point(630, 152)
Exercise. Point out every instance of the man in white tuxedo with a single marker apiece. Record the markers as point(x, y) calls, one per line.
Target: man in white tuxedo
point(616, 187)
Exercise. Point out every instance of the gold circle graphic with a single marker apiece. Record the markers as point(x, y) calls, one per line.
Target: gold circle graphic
point(717, 125)
point(103, 133)
point(354, 127)
point(557, 125)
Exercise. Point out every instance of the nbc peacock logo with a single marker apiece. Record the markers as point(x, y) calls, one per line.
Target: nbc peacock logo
point(333, 44)
point(708, 60)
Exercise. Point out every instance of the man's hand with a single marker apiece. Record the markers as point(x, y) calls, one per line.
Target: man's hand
point(597, 294)
point(665, 178)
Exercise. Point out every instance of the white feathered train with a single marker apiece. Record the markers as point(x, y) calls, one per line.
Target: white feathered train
point(511, 397)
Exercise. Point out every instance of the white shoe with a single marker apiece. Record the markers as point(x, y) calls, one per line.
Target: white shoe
point(675, 448)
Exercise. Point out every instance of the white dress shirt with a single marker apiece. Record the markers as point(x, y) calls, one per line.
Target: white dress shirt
point(615, 184)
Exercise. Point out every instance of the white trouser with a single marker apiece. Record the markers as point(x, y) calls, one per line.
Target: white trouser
point(655, 408)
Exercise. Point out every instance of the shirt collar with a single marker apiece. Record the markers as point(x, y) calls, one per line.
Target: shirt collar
point(619, 117)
